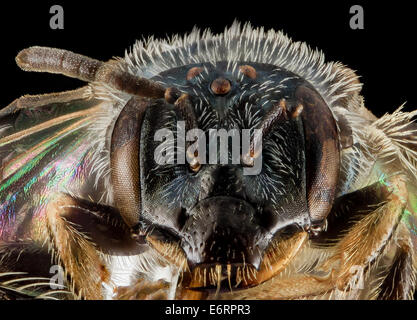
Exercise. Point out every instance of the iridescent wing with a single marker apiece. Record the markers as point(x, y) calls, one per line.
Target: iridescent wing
point(45, 147)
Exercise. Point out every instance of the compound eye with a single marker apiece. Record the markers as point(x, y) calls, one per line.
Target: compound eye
point(322, 151)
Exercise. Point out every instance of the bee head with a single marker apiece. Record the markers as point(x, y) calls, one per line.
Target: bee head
point(231, 174)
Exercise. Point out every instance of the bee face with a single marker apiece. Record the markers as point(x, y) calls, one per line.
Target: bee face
point(217, 215)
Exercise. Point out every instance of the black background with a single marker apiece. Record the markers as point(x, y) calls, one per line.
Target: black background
point(383, 53)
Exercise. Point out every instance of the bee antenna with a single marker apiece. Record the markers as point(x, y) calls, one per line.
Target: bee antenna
point(70, 64)
point(277, 113)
